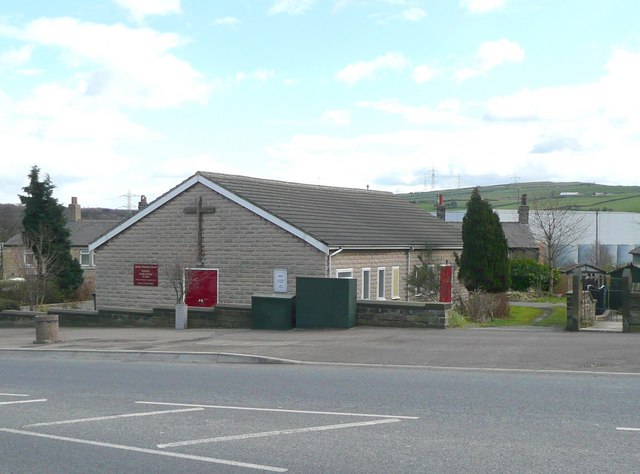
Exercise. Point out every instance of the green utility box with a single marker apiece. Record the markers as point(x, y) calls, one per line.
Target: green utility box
point(273, 312)
point(325, 302)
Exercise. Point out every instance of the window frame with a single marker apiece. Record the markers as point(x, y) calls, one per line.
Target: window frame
point(395, 283)
point(381, 288)
point(366, 296)
point(87, 253)
point(344, 270)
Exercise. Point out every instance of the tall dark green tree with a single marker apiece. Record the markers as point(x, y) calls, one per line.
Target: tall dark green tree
point(484, 264)
point(45, 233)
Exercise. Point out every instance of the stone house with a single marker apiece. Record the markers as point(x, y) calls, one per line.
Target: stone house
point(18, 260)
point(520, 239)
point(247, 236)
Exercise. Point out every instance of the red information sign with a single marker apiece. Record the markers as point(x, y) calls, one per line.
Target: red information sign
point(145, 275)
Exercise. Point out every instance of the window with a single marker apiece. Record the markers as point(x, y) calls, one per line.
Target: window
point(86, 258)
point(381, 283)
point(344, 273)
point(395, 283)
point(366, 284)
point(28, 259)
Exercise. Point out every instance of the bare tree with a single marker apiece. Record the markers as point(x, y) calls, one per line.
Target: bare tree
point(176, 273)
point(600, 257)
point(424, 281)
point(557, 228)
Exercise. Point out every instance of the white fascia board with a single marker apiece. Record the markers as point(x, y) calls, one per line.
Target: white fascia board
point(391, 247)
point(222, 191)
point(264, 214)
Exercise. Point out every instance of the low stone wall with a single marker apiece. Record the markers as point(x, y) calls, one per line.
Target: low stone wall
point(634, 312)
point(585, 316)
point(368, 313)
point(403, 314)
point(222, 316)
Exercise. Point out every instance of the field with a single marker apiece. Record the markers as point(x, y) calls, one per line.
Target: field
point(582, 197)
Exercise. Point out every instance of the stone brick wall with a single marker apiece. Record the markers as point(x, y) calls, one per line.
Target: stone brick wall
point(222, 316)
point(12, 262)
point(406, 260)
point(403, 314)
point(634, 312)
point(243, 247)
point(585, 315)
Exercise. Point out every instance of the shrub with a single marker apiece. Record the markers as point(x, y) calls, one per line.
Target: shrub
point(12, 290)
point(526, 274)
point(8, 304)
point(86, 290)
point(457, 320)
point(481, 307)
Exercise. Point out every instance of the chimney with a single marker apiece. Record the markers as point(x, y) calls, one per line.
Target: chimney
point(74, 213)
point(523, 211)
point(143, 202)
point(440, 208)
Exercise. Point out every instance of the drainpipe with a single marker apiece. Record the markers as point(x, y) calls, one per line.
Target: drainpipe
point(331, 255)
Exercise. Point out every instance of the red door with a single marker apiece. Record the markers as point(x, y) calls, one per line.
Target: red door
point(446, 275)
point(202, 287)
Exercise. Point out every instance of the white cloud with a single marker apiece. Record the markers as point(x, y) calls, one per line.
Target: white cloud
point(495, 53)
point(257, 75)
point(140, 9)
point(362, 70)
point(108, 60)
point(446, 112)
point(482, 6)
point(83, 116)
point(337, 118)
point(291, 7)
point(539, 134)
point(423, 73)
point(491, 54)
point(414, 14)
point(16, 57)
point(227, 20)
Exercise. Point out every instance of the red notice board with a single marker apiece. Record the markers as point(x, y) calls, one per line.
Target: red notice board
point(145, 275)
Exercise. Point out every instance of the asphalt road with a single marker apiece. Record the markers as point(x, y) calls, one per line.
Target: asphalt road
point(78, 416)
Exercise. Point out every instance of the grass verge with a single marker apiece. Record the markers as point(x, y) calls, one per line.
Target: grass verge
point(519, 316)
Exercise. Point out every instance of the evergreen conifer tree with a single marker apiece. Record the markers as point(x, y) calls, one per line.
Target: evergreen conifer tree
point(45, 233)
point(484, 264)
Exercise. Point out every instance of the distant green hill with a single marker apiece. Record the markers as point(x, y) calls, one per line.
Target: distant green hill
point(578, 196)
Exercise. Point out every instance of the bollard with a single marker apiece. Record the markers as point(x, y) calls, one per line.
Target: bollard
point(46, 329)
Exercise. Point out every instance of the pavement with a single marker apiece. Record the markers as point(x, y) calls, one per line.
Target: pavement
point(503, 349)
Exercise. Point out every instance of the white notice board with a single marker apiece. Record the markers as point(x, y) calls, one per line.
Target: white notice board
point(280, 280)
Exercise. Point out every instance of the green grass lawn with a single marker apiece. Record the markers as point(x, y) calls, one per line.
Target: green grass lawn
point(525, 316)
point(558, 318)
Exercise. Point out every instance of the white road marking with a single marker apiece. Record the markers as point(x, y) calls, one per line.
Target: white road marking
point(114, 417)
point(276, 433)
point(147, 451)
point(628, 429)
point(23, 401)
point(280, 410)
point(13, 395)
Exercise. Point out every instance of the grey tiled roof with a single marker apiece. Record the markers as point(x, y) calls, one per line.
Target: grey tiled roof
point(82, 233)
point(344, 217)
point(635, 251)
point(518, 235)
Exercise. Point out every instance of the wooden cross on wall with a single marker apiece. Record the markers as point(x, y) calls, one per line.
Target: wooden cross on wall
point(199, 210)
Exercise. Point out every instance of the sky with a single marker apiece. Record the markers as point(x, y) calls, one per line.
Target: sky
point(114, 99)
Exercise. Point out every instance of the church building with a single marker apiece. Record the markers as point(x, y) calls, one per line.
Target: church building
point(243, 236)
